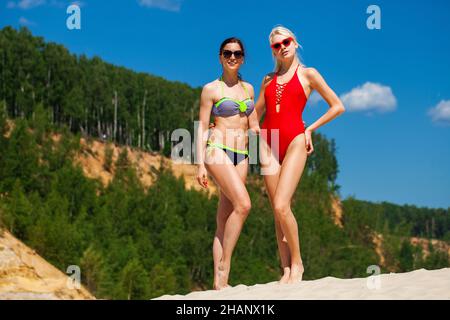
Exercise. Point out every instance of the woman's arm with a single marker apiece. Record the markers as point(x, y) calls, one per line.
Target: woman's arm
point(253, 122)
point(336, 107)
point(206, 103)
point(260, 105)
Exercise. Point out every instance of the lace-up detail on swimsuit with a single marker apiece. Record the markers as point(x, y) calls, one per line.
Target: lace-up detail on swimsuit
point(279, 88)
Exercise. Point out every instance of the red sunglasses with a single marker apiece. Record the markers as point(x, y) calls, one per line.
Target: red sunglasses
point(286, 42)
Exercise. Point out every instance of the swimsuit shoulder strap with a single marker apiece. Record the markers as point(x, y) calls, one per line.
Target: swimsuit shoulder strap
point(276, 73)
point(295, 73)
point(245, 88)
point(221, 86)
point(242, 84)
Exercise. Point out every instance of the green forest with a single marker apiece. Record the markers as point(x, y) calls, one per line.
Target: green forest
point(90, 95)
point(133, 242)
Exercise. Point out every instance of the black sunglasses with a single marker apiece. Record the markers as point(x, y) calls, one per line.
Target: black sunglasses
point(228, 53)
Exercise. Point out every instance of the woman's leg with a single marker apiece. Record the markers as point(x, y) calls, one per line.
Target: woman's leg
point(223, 212)
point(271, 170)
point(291, 172)
point(283, 248)
point(229, 180)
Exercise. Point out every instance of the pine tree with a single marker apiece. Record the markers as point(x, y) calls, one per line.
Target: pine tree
point(20, 217)
point(134, 281)
point(162, 280)
point(92, 268)
point(406, 258)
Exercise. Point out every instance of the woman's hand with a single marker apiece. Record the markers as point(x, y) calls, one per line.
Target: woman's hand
point(309, 144)
point(202, 176)
point(256, 129)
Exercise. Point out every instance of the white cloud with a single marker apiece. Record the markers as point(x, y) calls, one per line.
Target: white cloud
point(25, 4)
point(29, 4)
point(441, 112)
point(58, 4)
point(25, 22)
point(68, 3)
point(169, 5)
point(78, 3)
point(370, 97)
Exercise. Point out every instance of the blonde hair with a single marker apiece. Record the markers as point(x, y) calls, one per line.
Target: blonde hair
point(280, 30)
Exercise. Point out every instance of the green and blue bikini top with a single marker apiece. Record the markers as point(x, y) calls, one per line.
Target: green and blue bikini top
point(227, 107)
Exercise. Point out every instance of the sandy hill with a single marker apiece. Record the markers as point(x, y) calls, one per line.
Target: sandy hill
point(415, 285)
point(26, 275)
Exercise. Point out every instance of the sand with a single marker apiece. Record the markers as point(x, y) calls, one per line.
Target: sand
point(420, 284)
point(24, 275)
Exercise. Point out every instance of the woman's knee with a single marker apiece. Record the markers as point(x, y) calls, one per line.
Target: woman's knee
point(281, 209)
point(243, 206)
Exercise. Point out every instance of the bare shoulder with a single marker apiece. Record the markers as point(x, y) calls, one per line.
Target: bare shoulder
point(210, 88)
point(248, 86)
point(311, 73)
point(268, 78)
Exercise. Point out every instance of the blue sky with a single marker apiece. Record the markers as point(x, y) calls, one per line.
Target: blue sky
point(393, 144)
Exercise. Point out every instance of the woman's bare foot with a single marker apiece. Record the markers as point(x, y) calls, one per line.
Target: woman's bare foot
point(218, 286)
point(221, 281)
point(217, 283)
point(296, 273)
point(221, 288)
point(285, 278)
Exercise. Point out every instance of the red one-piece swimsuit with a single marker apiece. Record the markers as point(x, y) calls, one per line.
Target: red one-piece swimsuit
point(292, 99)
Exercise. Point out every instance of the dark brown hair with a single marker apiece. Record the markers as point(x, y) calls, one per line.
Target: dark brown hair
point(232, 40)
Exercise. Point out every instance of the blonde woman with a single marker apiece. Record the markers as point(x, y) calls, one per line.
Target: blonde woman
point(286, 142)
point(224, 154)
